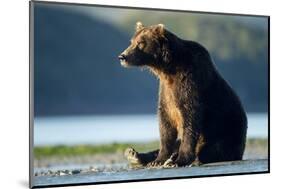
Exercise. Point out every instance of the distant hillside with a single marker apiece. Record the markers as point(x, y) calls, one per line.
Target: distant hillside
point(77, 71)
point(226, 37)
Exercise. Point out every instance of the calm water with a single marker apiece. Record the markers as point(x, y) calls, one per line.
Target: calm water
point(108, 129)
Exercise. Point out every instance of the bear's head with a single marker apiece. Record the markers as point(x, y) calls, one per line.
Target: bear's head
point(149, 47)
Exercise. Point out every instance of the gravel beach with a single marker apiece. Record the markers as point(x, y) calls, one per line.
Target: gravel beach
point(114, 162)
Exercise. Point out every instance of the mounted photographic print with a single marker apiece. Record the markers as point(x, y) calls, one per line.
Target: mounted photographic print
point(122, 94)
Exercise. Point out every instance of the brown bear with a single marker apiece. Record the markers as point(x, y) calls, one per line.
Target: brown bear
point(201, 119)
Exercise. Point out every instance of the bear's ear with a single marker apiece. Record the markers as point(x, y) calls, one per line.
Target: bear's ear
point(139, 26)
point(160, 28)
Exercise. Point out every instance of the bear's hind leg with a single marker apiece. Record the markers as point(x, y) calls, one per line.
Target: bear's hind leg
point(219, 152)
point(137, 159)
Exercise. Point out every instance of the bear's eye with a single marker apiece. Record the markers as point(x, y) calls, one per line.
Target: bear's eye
point(141, 45)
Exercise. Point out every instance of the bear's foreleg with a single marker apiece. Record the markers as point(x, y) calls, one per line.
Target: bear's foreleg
point(168, 141)
point(189, 134)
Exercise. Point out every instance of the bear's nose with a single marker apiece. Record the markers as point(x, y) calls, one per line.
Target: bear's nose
point(122, 57)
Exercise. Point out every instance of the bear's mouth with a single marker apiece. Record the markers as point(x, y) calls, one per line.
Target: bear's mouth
point(123, 60)
point(124, 63)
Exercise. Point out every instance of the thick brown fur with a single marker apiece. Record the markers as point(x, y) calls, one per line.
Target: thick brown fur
point(201, 119)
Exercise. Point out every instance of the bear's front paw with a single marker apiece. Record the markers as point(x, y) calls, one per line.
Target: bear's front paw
point(169, 163)
point(184, 160)
point(196, 163)
point(156, 163)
